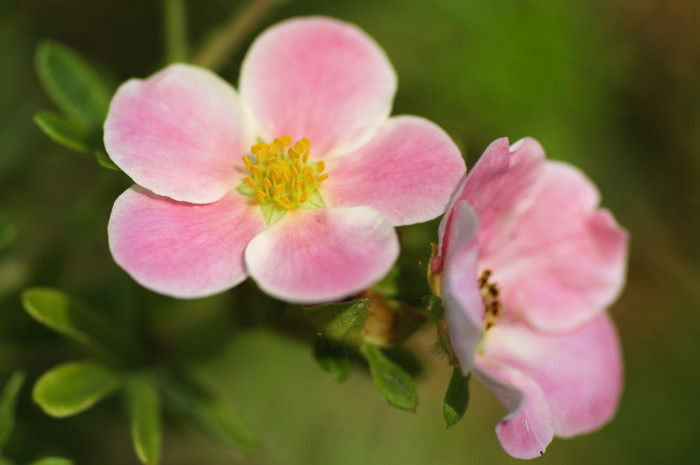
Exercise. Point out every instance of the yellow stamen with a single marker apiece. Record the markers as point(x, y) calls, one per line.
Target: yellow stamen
point(279, 172)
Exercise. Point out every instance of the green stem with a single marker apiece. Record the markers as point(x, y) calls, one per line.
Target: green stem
point(175, 30)
point(224, 43)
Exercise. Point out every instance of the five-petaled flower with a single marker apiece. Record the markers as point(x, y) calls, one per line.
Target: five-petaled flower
point(527, 265)
point(309, 221)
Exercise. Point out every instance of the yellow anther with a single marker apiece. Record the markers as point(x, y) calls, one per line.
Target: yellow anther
point(279, 172)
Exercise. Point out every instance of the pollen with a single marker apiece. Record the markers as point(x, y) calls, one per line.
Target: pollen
point(280, 172)
point(492, 304)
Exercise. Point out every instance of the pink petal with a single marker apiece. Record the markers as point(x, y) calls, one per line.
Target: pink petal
point(407, 172)
point(461, 296)
point(179, 133)
point(179, 249)
point(560, 261)
point(315, 256)
point(318, 78)
point(497, 186)
point(579, 372)
point(527, 430)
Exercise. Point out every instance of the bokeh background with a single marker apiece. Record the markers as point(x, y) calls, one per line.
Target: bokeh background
point(610, 85)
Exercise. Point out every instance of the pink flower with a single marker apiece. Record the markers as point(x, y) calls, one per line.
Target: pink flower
point(528, 264)
point(310, 221)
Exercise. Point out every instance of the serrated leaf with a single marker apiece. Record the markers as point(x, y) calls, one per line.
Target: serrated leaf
point(53, 461)
point(8, 405)
point(73, 387)
point(394, 384)
point(73, 85)
point(215, 417)
point(74, 319)
point(342, 322)
point(456, 398)
point(144, 412)
point(63, 131)
point(332, 358)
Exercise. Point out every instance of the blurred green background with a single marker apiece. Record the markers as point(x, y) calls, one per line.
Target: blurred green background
point(610, 85)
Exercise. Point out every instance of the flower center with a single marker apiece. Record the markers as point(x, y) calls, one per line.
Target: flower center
point(280, 177)
point(489, 292)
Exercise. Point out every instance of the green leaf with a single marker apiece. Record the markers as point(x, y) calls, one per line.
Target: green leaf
point(394, 384)
point(144, 411)
point(74, 319)
point(104, 160)
point(8, 233)
point(63, 131)
point(53, 461)
point(332, 358)
point(456, 398)
point(6, 461)
point(342, 322)
point(8, 405)
point(213, 416)
point(73, 85)
point(73, 387)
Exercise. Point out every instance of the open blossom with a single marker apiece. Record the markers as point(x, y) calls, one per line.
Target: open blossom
point(297, 183)
point(527, 265)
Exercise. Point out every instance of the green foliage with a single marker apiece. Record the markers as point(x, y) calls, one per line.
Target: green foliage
point(63, 131)
point(456, 398)
point(79, 91)
point(72, 318)
point(394, 384)
point(332, 358)
point(342, 322)
point(8, 404)
point(53, 461)
point(144, 410)
point(73, 387)
point(210, 414)
point(73, 85)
